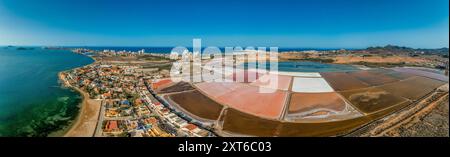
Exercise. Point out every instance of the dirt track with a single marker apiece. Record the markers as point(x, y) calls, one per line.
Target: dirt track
point(430, 122)
point(428, 118)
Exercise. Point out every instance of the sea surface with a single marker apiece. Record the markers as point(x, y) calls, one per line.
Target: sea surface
point(32, 101)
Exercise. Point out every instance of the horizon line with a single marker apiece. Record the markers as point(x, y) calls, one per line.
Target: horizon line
point(283, 47)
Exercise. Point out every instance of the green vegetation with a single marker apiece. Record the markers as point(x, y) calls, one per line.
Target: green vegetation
point(41, 119)
point(162, 66)
point(132, 97)
point(321, 60)
point(375, 65)
point(154, 58)
point(165, 67)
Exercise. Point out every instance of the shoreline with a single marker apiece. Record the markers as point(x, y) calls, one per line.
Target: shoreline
point(85, 123)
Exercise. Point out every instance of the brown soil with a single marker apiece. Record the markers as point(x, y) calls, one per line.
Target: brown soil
point(400, 75)
point(334, 128)
point(433, 121)
point(429, 118)
point(242, 123)
point(246, 124)
point(303, 102)
point(177, 87)
point(197, 104)
point(414, 88)
point(343, 81)
point(373, 78)
point(371, 99)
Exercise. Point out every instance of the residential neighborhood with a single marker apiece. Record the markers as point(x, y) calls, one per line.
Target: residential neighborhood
point(128, 108)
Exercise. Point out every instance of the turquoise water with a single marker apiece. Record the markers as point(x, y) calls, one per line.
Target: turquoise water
point(306, 66)
point(32, 103)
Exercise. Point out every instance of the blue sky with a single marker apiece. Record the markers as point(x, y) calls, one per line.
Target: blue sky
point(282, 23)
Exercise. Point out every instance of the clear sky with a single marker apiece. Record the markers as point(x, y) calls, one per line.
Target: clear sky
point(282, 23)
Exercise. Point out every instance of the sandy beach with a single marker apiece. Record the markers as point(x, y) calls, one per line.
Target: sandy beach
point(86, 121)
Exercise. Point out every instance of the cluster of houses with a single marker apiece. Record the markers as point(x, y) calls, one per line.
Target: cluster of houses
point(181, 126)
point(128, 107)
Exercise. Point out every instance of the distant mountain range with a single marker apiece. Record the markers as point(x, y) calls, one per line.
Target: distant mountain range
point(393, 49)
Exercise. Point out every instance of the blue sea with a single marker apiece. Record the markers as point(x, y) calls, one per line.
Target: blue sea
point(32, 102)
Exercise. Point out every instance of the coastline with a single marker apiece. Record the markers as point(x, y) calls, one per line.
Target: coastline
point(85, 123)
